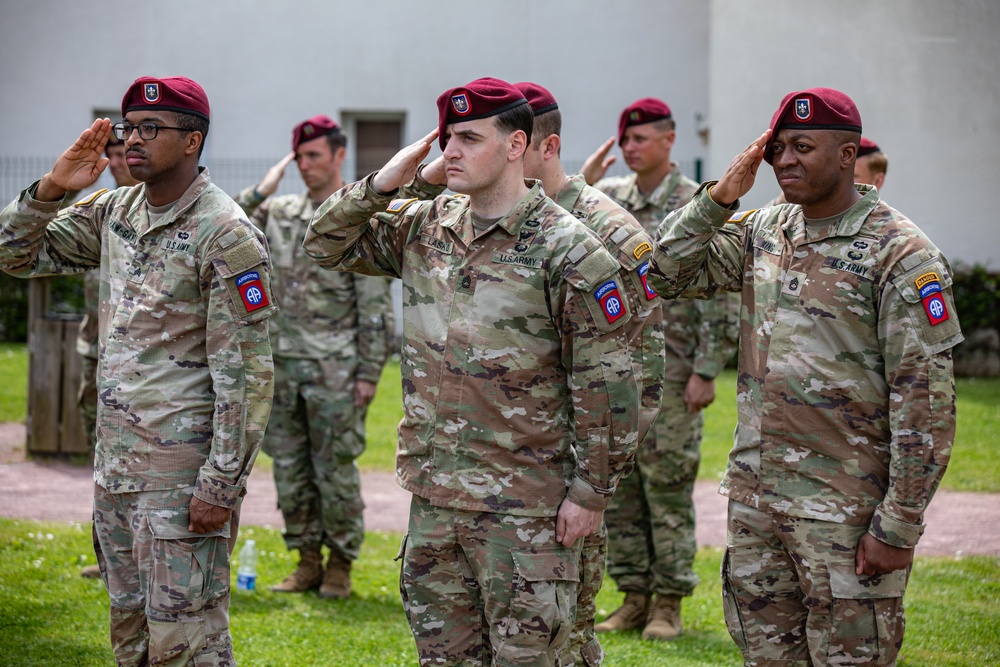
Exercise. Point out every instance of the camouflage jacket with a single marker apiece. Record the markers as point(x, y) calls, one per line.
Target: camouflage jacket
point(628, 243)
point(185, 377)
point(694, 330)
point(86, 339)
point(323, 313)
point(508, 337)
point(846, 396)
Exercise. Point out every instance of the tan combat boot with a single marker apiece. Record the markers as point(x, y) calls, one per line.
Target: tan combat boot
point(307, 575)
point(632, 614)
point(337, 578)
point(664, 622)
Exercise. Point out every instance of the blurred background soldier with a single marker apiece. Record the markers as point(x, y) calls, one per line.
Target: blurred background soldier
point(872, 164)
point(651, 540)
point(330, 341)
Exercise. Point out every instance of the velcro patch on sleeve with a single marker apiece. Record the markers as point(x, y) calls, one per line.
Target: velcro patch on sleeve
point(610, 299)
point(740, 217)
point(243, 256)
point(929, 287)
point(83, 203)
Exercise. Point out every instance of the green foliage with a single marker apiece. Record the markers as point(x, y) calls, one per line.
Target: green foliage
point(13, 308)
point(51, 616)
point(14, 387)
point(977, 297)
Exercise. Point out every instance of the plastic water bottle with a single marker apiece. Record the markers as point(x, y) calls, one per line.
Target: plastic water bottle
point(246, 575)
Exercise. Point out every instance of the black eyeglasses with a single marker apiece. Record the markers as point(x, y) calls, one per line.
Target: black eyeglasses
point(147, 130)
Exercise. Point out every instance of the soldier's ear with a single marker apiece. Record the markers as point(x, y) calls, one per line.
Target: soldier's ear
point(518, 144)
point(550, 146)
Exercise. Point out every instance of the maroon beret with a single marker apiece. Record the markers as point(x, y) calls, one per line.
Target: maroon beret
point(171, 93)
point(867, 147)
point(539, 98)
point(640, 112)
point(315, 127)
point(816, 108)
point(481, 98)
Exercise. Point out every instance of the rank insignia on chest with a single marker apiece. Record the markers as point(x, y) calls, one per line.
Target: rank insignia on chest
point(610, 299)
point(929, 286)
point(643, 270)
point(252, 291)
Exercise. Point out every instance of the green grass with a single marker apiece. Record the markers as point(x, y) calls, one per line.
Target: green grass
point(53, 617)
point(14, 385)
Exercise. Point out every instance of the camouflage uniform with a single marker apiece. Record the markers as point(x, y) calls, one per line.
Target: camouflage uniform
point(185, 384)
point(508, 339)
point(332, 331)
point(651, 522)
point(628, 243)
point(86, 347)
point(846, 405)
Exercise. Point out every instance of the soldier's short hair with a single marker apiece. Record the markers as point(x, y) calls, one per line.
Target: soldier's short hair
point(337, 139)
point(664, 124)
point(195, 123)
point(520, 117)
point(878, 162)
point(546, 124)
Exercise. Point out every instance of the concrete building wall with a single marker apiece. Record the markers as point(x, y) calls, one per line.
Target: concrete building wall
point(925, 75)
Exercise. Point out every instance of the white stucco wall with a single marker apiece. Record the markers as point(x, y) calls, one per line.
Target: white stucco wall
point(925, 75)
point(267, 65)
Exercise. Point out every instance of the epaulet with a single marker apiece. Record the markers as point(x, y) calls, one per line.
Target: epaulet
point(740, 217)
point(91, 199)
point(397, 205)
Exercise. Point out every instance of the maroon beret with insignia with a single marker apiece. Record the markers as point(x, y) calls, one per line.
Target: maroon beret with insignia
point(481, 98)
point(640, 112)
point(539, 98)
point(315, 127)
point(867, 147)
point(816, 108)
point(171, 93)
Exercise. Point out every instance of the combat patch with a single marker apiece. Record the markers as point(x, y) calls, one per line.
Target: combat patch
point(90, 200)
point(929, 287)
point(397, 205)
point(740, 217)
point(643, 270)
point(252, 291)
point(610, 299)
point(501, 257)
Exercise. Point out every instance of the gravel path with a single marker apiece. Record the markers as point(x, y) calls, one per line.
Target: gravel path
point(958, 524)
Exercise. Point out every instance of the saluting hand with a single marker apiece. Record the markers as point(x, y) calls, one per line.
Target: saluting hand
point(269, 184)
point(401, 169)
point(434, 172)
point(597, 164)
point(741, 173)
point(79, 166)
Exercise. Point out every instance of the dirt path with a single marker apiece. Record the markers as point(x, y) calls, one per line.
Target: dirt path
point(958, 524)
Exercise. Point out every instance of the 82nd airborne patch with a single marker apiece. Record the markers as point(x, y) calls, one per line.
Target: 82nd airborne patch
point(929, 286)
point(252, 291)
point(643, 270)
point(611, 300)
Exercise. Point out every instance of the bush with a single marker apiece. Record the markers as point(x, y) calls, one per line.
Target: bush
point(66, 301)
point(977, 297)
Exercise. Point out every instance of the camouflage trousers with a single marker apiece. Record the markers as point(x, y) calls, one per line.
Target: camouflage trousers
point(651, 540)
point(791, 597)
point(86, 400)
point(314, 436)
point(584, 646)
point(481, 588)
point(169, 588)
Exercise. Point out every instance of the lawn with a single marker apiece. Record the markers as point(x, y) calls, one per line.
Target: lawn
point(14, 384)
point(53, 617)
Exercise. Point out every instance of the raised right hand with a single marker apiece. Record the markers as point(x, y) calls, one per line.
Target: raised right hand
point(401, 169)
point(597, 164)
point(79, 166)
point(269, 184)
point(741, 173)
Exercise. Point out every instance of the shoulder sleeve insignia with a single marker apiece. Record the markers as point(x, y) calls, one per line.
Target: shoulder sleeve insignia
point(929, 286)
point(608, 296)
point(397, 205)
point(91, 199)
point(740, 216)
point(252, 291)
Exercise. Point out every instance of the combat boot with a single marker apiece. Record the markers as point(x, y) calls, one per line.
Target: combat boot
point(307, 575)
point(664, 622)
point(631, 615)
point(337, 578)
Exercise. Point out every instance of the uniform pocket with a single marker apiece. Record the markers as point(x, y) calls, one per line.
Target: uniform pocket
point(188, 570)
point(866, 616)
point(731, 608)
point(542, 604)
